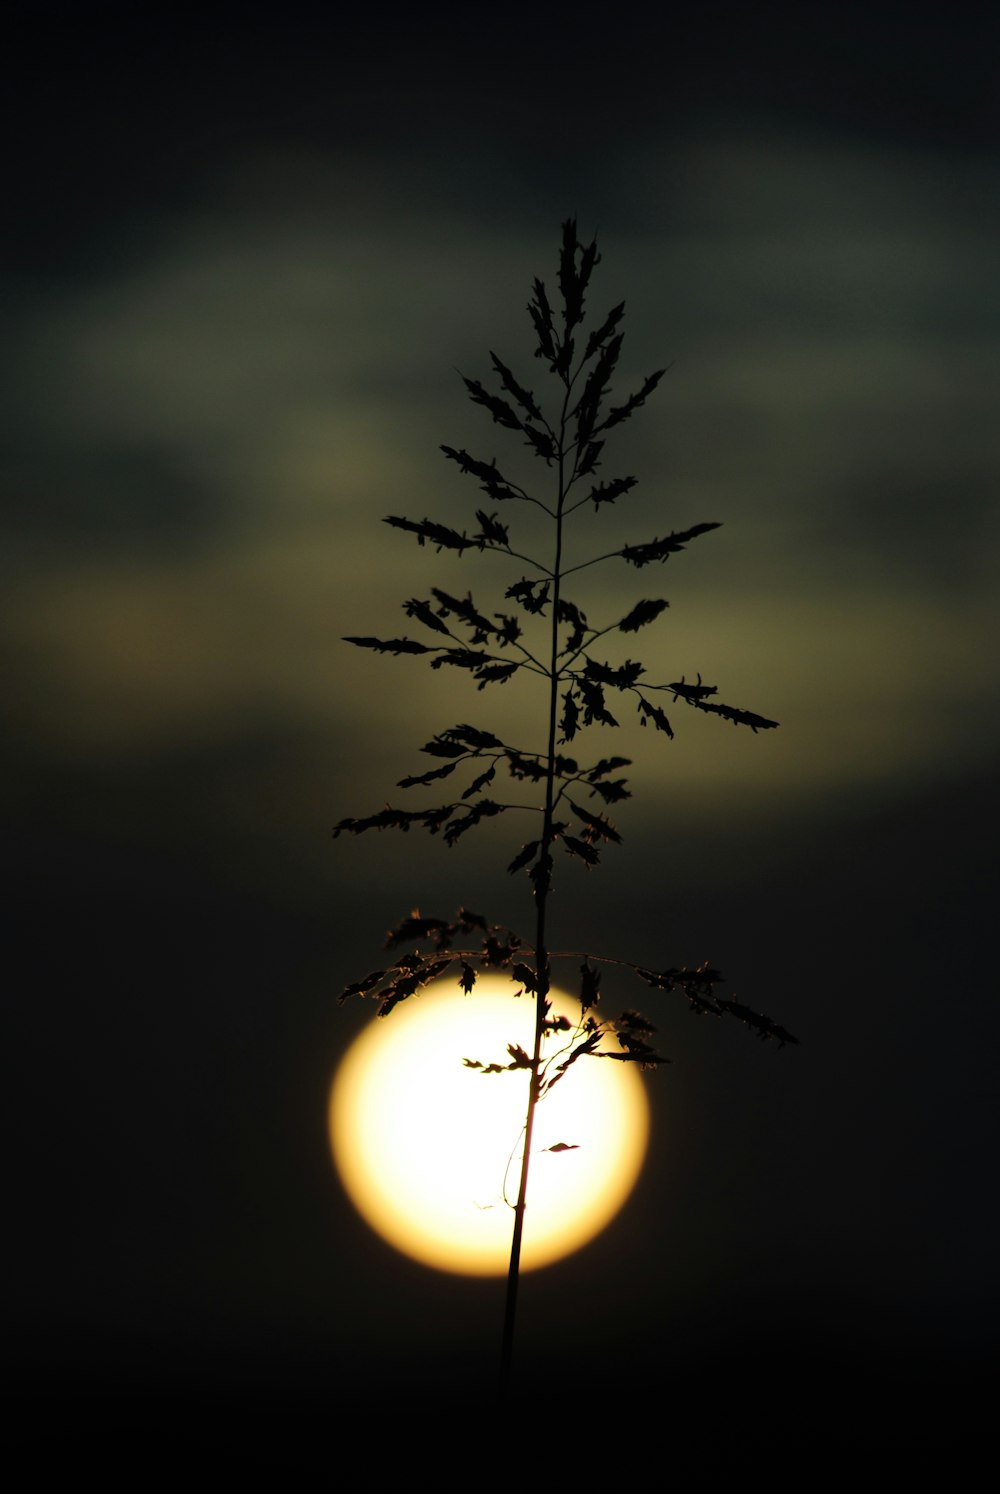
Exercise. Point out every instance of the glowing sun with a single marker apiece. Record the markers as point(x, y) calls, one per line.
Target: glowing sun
point(426, 1147)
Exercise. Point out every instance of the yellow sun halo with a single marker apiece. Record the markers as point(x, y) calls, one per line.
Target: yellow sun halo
point(426, 1147)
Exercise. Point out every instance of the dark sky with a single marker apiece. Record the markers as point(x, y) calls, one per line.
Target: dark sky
point(246, 249)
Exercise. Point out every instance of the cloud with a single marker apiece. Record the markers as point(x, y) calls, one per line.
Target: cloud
point(209, 441)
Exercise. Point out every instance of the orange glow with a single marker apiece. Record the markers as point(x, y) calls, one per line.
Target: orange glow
point(422, 1143)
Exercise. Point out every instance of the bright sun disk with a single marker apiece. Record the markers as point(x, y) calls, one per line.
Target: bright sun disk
point(425, 1147)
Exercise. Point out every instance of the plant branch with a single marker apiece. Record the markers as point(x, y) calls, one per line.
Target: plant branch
point(571, 448)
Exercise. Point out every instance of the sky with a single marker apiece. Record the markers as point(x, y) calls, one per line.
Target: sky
point(248, 254)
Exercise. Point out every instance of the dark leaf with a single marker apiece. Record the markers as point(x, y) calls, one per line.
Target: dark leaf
point(498, 408)
point(607, 765)
point(487, 1068)
point(594, 708)
point(467, 979)
point(460, 658)
point(495, 674)
point(509, 630)
point(540, 441)
point(361, 987)
point(393, 995)
point(697, 695)
point(570, 717)
point(661, 549)
point(444, 746)
point(736, 716)
point(409, 984)
point(391, 645)
point(523, 396)
point(762, 1025)
point(466, 920)
point(428, 777)
point(484, 810)
point(588, 405)
point(411, 961)
point(604, 331)
point(612, 792)
point(433, 819)
point(415, 927)
point(497, 954)
point(569, 286)
point(635, 1022)
point(654, 713)
point(438, 534)
point(491, 479)
point(563, 1146)
point(589, 460)
point(622, 412)
point(567, 612)
point(471, 736)
point(622, 677)
point(525, 767)
point(590, 983)
point(697, 985)
point(607, 492)
point(596, 823)
point(541, 315)
point(423, 612)
point(636, 1052)
point(641, 614)
point(586, 1046)
point(523, 856)
point(589, 257)
point(573, 280)
point(692, 693)
point(464, 608)
point(386, 819)
point(436, 968)
point(581, 848)
point(490, 532)
point(480, 783)
point(532, 595)
point(527, 977)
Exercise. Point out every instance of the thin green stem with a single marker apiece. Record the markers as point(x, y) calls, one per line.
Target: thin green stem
point(541, 953)
point(570, 570)
point(522, 497)
point(528, 560)
point(538, 665)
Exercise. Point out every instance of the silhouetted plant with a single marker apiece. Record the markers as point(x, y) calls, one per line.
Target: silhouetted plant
point(492, 647)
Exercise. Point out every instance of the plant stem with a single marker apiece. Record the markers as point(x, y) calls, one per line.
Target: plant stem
point(542, 967)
